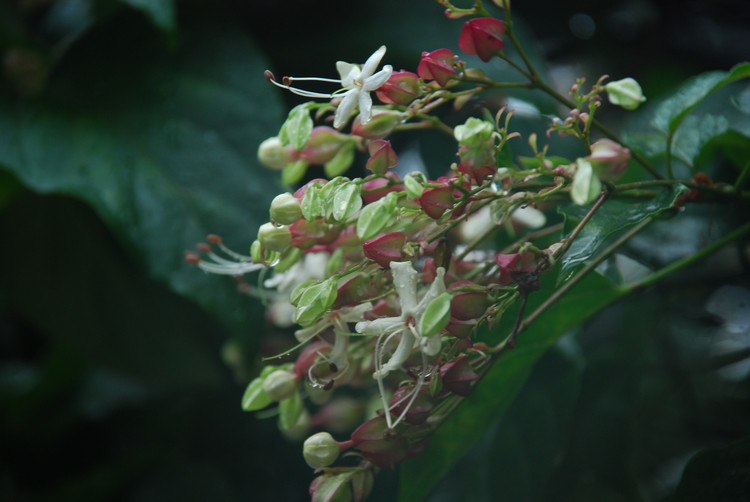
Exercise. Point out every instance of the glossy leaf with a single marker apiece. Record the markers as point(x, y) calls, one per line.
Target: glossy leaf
point(614, 216)
point(164, 160)
point(297, 127)
point(673, 110)
point(346, 201)
point(503, 381)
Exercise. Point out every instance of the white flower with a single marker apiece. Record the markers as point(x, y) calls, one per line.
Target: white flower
point(360, 82)
point(405, 280)
point(356, 82)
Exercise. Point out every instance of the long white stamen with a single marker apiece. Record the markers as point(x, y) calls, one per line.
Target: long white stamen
point(229, 269)
point(314, 79)
point(234, 254)
point(301, 92)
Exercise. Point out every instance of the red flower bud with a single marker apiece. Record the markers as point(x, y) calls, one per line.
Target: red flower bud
point(377, 446)
point(511, 263)
point(385, 248)
point(477, 162)
point(418, 411)
point(381, 125)
point(382, 156)
point(467, 305)
point(457, 376)
point(482, 37)
point(400, 89)
point(435, 201)
point(375, 189)
point(325, 142)
point(306, 234)
point(438, 66)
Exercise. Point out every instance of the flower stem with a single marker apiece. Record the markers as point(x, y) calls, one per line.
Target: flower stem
point(688, 260)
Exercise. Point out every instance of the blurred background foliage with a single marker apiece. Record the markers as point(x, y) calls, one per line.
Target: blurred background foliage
point(128, 131)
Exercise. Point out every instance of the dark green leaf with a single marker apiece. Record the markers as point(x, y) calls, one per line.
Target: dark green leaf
point(673, 111)
point(502, 382)
point(160, 143)
point(614, 216)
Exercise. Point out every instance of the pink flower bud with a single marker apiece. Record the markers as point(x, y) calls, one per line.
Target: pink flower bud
point(306, 234)
point(477, 162)
point(438, 66)
point(380, 125)
point(382, 156)
point(517, 262)
point(400, 89)
point(435, 201)
point(301, 190)
point(385, 248)
point(378, 188)
point(482, 37)
point(323, 145)
point(457, 376)
point(609, 159)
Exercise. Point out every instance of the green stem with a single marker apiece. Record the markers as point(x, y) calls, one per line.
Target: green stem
point(583, 272)
point(569, 240)
point(688, 260)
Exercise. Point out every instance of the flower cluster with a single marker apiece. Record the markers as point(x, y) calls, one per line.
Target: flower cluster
point(393, 278)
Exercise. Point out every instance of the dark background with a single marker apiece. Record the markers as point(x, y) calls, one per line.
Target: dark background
point(121, 373)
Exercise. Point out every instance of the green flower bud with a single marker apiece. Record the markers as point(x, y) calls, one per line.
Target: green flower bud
point(626, 93)
point(285, 209)
point(272, 154)
point(274, 238)
point(474, 132)
point(280, 384)
point(320, 450)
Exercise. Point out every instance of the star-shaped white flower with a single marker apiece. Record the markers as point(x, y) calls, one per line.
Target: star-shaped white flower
point(359, 84)
point(356, 82)
point(405, 280)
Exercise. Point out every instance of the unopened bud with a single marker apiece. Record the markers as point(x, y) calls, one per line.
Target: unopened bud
point(438, 66)
point(385, 248)
point(280, 384)
point(400, 89)
point(274, 238)
point(380, 126)
point(325, 142)
point(608, 159)
point(382, 156)
point(272, 154)
point(320, 450)
point(482, 37)
point(285, 209)
point(626, 93)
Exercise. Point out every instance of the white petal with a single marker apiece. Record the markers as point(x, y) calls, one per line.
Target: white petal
point(356, 313)
point(372, 63)
point(346, 107)
point(348, 73)
point(308, 333)
point(405, 281)
point(365, 107)
point(431, 346)
point(399, 357)
point(376, 81)
point(379, 326)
